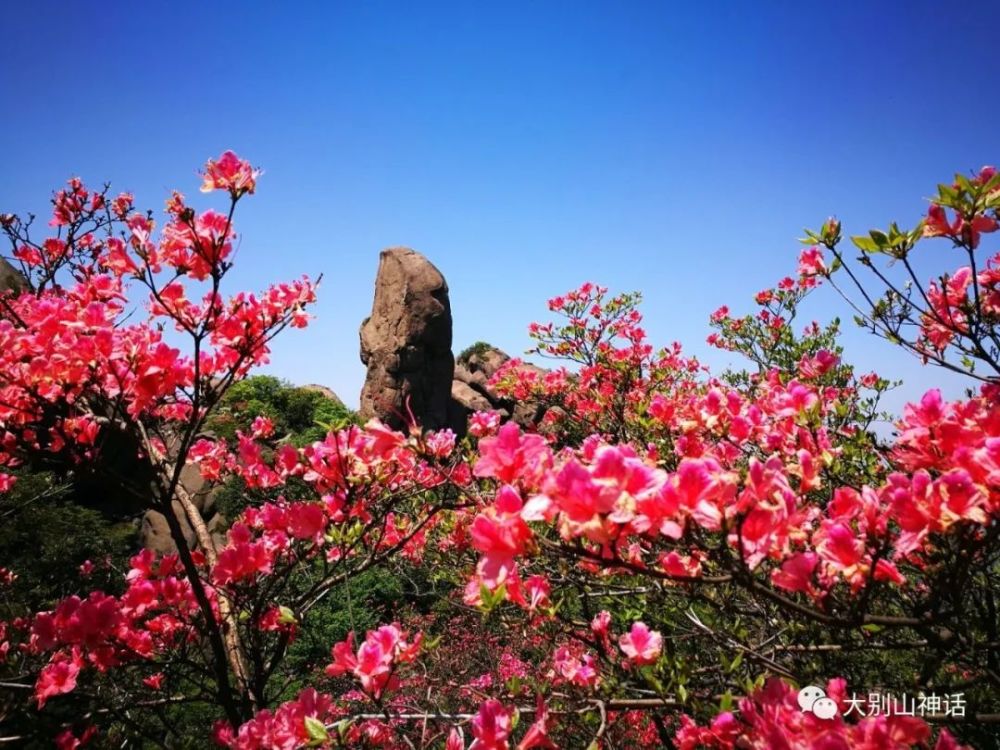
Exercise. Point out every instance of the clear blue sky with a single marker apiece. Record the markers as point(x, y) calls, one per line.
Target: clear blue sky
point(674, 148)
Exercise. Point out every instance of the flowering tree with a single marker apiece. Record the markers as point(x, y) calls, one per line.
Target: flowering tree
point(669, 560)
point(951, 320)
point(78, 363)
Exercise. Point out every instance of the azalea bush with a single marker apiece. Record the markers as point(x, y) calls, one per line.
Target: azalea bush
point(668, 560)
point(81, 362)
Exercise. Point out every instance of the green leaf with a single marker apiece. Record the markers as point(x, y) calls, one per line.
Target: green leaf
point(865, 244)
point(947, 195)
point(652, 679)
point(880, 238)
point(811, 237)
point(316, 731)
point(491, 598)
point(735, 664)
point(286, 616)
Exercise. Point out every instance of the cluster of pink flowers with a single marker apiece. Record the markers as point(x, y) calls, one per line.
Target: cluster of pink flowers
point(59, 344)
point(153, 615)
point(609, 494)
point(231, 173)
point(285, 728)
point(377, 659)
point(374, 459)
point(772, 717)
point(572, 665)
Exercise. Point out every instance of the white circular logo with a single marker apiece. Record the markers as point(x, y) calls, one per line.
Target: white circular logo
point(809, 695)
point(825, 708)
point(813, 700)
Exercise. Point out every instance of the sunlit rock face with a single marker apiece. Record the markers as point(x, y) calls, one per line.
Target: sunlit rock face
point(406, 343)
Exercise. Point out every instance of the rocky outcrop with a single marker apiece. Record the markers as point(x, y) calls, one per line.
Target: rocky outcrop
point(471, 390)
point(406, 346)
point(119, 484)
point(154, 532)
point(406, 343)
point(325, 392)
point(11, 279)
point(468, 398)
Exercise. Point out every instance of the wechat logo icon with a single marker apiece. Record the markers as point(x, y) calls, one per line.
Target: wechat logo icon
point(813, 700)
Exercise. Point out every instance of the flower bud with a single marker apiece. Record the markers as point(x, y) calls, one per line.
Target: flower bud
point(831, 231)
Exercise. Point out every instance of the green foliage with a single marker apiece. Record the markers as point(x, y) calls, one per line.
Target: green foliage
point(298, 414)
point(896, 243)
point(45, 537)
point(480, 347)
point(361, 604)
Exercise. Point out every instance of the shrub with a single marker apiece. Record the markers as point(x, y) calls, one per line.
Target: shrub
point(478, 348)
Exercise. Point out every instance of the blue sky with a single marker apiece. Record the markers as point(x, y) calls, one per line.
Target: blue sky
point(673, 148)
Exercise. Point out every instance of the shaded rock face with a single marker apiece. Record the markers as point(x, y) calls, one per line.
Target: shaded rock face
point(406, 343)
point(486, 362)
point(116, 481)
point(154, 532)
point(468, 398)
point(11, 279)
point(119, 483)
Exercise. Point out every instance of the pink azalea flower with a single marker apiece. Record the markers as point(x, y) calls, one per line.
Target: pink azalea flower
point(641, 645)
point(492, 726)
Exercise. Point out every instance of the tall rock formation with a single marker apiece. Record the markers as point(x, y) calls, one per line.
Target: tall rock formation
point(406, 343)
